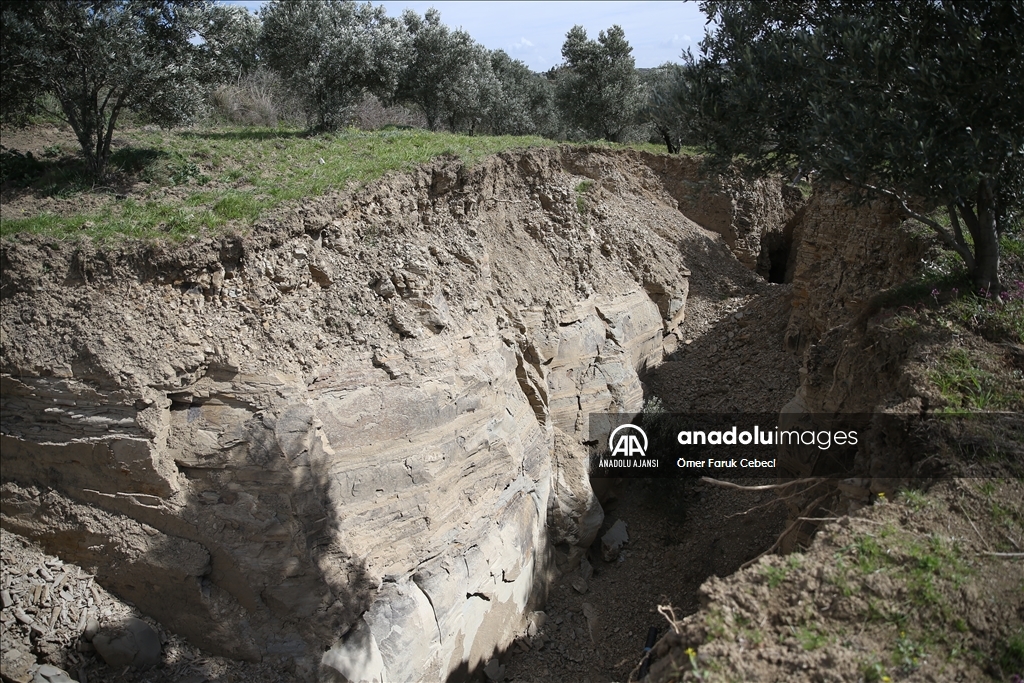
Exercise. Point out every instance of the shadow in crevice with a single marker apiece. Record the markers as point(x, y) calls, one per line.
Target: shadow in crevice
point(196, 560)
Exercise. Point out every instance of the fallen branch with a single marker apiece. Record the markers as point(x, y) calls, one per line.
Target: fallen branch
point(1002, 554)
point(836, 519)
point(762, 487)
point(982, 538)
point(771, 502)
point(778, 541)
point(778, 499)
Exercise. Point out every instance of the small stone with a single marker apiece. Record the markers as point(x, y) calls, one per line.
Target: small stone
point(16, 665)
point(494, 670)
point(586, 569)
point(536, 623)
point(5, 599)
point(613, 540)
point(48, 673)
point(131, 643)
point(20, 615)
point(92, 627)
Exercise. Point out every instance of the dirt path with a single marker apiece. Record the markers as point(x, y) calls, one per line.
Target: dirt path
point(680, 532)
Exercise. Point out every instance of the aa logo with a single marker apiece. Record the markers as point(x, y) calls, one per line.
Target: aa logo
point(628, 442)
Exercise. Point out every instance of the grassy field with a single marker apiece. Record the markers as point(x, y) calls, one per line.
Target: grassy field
point(173, 184)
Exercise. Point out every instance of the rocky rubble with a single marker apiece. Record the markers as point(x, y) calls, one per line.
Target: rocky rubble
point(45, 649)
point(315, 444)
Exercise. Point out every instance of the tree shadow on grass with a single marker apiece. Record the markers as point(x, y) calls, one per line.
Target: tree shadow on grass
point(247, 135)
point(61, 176)
point(135, 160)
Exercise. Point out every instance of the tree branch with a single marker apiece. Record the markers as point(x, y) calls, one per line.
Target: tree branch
point(969, 218)
point(940, 230)
point(762, 487)
point(955, 221)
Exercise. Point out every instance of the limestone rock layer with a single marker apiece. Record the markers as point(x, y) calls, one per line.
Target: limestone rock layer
point(350, 438)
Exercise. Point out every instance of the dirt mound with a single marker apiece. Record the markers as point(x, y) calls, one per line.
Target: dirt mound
point(911, 590)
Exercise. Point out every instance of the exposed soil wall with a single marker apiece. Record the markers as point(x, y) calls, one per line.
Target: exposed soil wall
point(841, 256)
point(330, 442)
point(873, 590)
point(750, 214)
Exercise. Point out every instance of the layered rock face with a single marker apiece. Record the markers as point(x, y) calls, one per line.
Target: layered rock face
point(751, 214)
point(350, 440)
point(842, 255)
point(856, 373)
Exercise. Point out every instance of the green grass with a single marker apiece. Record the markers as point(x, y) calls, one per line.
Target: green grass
point(925, 570)
point(921, 565)
point(915, 500)
point(965, 386)
point(871, 556)
point(776, 575)
point(237, 174)
point(1010, 655)
point(581, 190)
point(908, 654)
point(874, 672)
point(810, 637)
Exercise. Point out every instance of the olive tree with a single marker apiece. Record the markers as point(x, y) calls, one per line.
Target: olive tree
point(235, 40)
point(524, 101)
point(331, 52)
point(670, 105)
point(920, 101)
point(597, 88)
point(101, 58)
point(448, 74)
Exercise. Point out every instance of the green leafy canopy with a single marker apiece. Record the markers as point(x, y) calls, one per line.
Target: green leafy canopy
point(915, 99)
point(101, 58)
point(597, 88)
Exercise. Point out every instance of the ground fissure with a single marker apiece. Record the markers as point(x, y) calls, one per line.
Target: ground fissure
point(363, 421)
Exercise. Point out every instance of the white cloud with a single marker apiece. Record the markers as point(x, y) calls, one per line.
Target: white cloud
point(521, 44)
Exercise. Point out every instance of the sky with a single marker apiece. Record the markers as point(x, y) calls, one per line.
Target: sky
point(534, 31)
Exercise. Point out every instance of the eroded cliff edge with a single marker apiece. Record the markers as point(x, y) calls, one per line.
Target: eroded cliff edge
point(360, 424)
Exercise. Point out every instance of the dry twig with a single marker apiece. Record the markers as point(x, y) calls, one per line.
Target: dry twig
point(762, 487)
point(778, 499)
point(778, 541)
point(669, 612)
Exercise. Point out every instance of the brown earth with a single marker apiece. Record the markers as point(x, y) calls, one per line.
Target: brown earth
point(404, 284)
point(912, 590)
point(680, 532)
point(192, 407)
